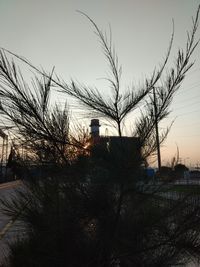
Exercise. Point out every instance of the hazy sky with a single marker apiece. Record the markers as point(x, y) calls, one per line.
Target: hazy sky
point(51, 33)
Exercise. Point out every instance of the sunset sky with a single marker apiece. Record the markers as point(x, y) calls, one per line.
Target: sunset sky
point(52, 33)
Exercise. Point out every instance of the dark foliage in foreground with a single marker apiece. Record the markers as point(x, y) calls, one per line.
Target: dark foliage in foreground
point(102, 218)
point(83, 206)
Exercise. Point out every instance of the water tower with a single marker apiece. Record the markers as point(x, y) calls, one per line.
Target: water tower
point(94, 128)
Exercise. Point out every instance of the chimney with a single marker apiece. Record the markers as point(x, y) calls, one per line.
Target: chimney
point(94, 128)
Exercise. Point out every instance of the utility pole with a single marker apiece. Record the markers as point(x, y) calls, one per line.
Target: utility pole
point(156, 128)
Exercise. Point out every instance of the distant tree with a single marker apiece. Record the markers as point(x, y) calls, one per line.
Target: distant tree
point(93, 209)
point(179, 170)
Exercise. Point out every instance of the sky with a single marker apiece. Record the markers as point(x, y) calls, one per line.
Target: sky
point(52, 33)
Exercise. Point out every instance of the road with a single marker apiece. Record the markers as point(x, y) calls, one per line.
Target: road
point(8, 229)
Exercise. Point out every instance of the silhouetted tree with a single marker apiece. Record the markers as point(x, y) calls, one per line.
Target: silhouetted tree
point(179, 170)
point(92, 208)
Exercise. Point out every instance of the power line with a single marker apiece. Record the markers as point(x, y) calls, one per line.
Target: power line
point(186, 99)
point(185, 114)
point(190, 104)
point(192, 72)
point(187, 125)
point(186, 136)
point(181, 92)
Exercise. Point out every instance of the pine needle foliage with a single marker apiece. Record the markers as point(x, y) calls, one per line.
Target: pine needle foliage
point(96, 207)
